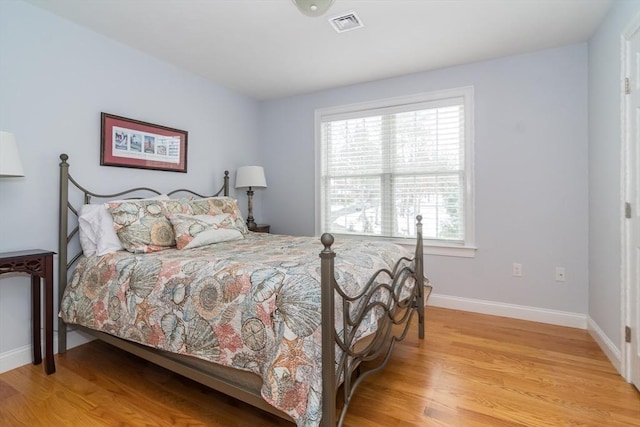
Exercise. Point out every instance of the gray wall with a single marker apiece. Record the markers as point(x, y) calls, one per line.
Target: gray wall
point(605, 145)
point(55, 79)
point(530, 166)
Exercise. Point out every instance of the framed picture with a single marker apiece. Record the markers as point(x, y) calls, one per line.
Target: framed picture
point(135, 144)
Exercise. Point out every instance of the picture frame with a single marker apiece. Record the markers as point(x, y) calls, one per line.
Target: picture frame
point(136, 144)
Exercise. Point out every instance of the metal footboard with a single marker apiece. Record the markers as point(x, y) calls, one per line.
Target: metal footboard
point(398, 294)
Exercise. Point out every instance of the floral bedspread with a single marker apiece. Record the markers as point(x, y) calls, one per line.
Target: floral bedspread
point(251, 304)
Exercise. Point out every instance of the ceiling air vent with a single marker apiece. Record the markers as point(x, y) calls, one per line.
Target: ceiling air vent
point(346, 22)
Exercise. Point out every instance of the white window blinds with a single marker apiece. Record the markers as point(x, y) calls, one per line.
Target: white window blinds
point(380, 167)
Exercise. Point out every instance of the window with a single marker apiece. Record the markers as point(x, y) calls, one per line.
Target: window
point(381, 164)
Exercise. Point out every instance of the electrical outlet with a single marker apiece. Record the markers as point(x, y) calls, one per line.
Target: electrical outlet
point(560, 274)
point(517, 269)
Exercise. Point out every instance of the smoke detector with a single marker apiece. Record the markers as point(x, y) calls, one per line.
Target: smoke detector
point(346, 22)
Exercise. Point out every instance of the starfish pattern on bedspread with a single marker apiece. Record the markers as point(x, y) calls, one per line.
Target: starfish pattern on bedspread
point(143, 312)
point(292, 357)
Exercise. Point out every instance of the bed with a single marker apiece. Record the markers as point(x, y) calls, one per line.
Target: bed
point(279, 322)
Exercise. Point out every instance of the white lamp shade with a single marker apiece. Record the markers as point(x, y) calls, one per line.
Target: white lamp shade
point(250, 176)
point(10, 164)
point(313, 7)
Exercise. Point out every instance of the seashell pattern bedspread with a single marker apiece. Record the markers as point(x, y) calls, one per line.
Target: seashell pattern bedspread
point(252, 304)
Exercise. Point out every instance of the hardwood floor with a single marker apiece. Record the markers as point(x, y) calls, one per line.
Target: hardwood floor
point(471, 370)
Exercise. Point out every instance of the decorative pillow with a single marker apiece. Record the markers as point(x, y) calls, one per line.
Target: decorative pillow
point(142, 225)
point(219, 205)
point(97, 235)
point(193, 231)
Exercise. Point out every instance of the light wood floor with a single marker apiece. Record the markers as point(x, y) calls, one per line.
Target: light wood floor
point(471, 370)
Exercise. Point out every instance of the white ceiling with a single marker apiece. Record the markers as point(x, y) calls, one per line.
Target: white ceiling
point(267, 49)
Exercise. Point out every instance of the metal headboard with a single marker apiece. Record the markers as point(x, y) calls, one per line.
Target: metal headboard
point(65, 237)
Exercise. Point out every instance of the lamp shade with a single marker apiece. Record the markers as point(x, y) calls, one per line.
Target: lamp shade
point(10, 164)
point(313, 7)
point(250, 176)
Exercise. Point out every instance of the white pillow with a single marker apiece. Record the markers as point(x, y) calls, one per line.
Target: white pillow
point(97, 235)
point(86, 217)
point(107, 239)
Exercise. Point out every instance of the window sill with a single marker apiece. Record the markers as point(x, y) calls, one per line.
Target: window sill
point(454, 251)
point(459, 251)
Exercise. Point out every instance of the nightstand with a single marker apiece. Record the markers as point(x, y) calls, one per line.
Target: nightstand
point(261, 228)
point(39, 265)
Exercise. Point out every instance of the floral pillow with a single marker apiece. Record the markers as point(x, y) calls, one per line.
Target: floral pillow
point(192, 231)
point(219, 205)
point(143, 225)
point(97, 236)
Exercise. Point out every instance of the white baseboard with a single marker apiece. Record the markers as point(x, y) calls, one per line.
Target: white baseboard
point(23, 356)
point(534, 314)
point(14, 358)
point(607, 346)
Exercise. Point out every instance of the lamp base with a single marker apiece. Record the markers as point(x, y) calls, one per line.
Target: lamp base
point(250, 221)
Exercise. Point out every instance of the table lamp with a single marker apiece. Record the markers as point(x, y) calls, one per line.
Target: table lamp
point(250, 177)
point(10, 164)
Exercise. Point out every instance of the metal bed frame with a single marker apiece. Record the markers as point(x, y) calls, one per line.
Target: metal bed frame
point(357, 361)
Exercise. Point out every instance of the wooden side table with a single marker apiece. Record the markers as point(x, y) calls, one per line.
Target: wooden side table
point(39, 264)
point(261, 228)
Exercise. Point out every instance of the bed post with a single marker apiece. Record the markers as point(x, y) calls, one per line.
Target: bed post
point(62, 246)
point(419, 257)
point(328, 331)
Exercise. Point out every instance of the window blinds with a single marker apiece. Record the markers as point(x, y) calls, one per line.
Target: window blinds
point(382, 167)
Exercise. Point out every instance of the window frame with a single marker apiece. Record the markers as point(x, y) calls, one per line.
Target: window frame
point(466, 248)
